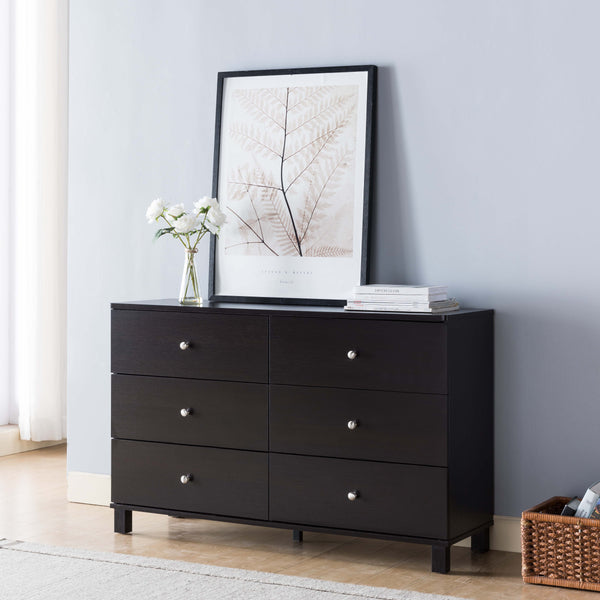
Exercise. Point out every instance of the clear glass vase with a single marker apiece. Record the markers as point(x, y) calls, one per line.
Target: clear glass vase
point(189, 292)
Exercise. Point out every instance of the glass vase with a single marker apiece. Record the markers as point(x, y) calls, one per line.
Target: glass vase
point(189, 292)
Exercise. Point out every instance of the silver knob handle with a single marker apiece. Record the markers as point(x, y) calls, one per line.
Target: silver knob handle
point(186, 478)
point(353, 495)
point(185, 412)
point(352, 354)
point(184, 345)
point(352, 424)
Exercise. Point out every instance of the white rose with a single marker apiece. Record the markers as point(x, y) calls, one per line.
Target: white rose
point(186, 224)
point(204, 204)
point(212, 228)
point(216, 216)
point(176, 210)
point(155, 210)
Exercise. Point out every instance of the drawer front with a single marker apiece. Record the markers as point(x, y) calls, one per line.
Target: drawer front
point(225, 347)
point(223, 414)
point(363, 424)
point(224, 482)
point(391, 355)
point(399, 499)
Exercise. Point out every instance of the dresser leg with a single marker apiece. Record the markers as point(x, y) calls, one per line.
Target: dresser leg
point(440, 559)
point(122, 520)
point(298, 535)
point(480, 542)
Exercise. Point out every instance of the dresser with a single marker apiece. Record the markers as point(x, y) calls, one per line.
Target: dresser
point(306, 418)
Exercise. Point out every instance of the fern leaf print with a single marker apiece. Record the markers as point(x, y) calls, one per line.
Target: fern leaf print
point(290, 187)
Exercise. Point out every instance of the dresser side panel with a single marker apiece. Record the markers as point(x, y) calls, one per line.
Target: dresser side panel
point(470, 422)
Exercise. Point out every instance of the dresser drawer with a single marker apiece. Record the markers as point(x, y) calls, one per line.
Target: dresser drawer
point(400, 499)
point(224, 482)
point(225, 347)
point(364, 424)
point(223, 414)
point(390, 355)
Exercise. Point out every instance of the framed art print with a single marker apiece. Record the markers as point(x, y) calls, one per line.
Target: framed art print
point(292, 169)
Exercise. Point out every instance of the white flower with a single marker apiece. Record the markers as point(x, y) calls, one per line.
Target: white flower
point(175, 211)
point(212, 228)
point(215, 219)
point(186, 223)
point(155, 210)
point(216, 216)
point(204, 204)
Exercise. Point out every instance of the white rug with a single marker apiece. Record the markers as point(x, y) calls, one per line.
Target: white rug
point(35, 572)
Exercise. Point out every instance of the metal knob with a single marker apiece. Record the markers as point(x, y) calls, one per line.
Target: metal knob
point(184, 345)
point(185, 412)
point(352, 354)
point(352, 424)
point(186, 478)
point(353, 495)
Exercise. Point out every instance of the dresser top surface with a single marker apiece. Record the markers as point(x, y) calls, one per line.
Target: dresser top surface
point(172, 305)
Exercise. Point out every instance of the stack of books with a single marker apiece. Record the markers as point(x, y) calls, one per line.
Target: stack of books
point(401, 298)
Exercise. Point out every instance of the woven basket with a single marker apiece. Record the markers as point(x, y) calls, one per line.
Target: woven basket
point(560, 551)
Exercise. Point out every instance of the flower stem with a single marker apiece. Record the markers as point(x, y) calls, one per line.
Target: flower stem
point(175, 234)
point(201, 230)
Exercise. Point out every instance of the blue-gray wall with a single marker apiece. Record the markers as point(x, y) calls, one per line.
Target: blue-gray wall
point(487, 180)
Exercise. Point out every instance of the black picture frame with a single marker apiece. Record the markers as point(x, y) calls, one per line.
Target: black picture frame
point(364, 118)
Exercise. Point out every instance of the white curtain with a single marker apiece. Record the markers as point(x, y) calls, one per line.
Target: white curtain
point(36, 270)
point(8, 412)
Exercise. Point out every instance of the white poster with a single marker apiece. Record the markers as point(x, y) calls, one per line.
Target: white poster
point(293, 151)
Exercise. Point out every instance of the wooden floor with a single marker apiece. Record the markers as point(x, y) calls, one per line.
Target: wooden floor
point(33, 507)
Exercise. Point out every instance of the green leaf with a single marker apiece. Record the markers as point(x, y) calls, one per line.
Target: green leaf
point(163, 231)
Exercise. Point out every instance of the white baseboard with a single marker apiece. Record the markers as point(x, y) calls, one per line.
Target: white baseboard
point(11, 442)
point(90, 488)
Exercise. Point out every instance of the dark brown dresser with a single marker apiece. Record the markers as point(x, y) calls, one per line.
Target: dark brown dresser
point(306, 418)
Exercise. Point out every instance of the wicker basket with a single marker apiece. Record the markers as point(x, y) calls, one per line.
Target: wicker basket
point(560, 551)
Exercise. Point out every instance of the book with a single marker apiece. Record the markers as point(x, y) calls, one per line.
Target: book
point(398, 298)
point(570, 509)
point(589, 501)
point(427, 307)
point(392, 308)
point(596, 512)
point(422, 290)
point(448, 302)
